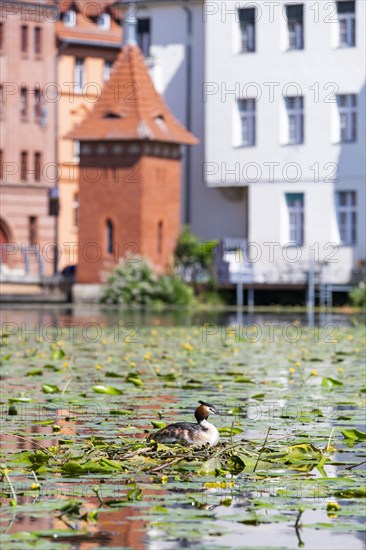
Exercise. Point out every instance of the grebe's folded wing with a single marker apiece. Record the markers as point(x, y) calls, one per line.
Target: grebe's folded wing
point(179, 431)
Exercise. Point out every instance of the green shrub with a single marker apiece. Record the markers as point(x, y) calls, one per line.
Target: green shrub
point(193, 258)
point(358, 295)
point(137, 283)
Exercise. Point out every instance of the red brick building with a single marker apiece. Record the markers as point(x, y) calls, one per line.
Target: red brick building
point(28, 137)
point(130, 161)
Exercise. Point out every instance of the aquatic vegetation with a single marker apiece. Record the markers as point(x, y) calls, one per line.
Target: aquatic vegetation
point(76, 412)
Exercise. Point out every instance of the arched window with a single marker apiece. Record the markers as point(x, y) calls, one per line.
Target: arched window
point(109, 228)
point(160, 237)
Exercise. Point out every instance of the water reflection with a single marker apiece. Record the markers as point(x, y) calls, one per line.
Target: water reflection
point(81, 315)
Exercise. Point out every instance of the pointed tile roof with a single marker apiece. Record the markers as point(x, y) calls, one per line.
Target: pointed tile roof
point(130, 108)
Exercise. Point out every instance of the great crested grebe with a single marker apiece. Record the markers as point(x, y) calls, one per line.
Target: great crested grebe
point(187, 432)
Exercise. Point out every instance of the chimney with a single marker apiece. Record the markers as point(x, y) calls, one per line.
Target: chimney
point(130, 25)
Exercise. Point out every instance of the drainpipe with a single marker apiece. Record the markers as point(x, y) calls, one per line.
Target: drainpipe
point(187, 194)
point(130, 25)
point(55, 191)
point(56, 185)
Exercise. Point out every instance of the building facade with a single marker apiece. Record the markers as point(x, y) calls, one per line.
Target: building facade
point(89, 37)
point(276, 94)
point(285, 85)
point(27, 139)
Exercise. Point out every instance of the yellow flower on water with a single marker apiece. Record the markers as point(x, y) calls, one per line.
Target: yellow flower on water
point(147, 356)
point(298, 364)
point(333, 506)
point(98, 367)
point(357, 350)
point(164, 479)
point(104, 341)
point(291, 370)
point(66, 364)
point(340, 369)
point(187, 346)
point(35, 486)
point(314, 373)
point(349, 337)
point(133, 364)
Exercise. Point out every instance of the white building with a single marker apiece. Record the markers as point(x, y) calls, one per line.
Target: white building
point(277, 98)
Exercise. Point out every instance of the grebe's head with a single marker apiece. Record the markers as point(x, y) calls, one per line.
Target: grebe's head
point(204, 410)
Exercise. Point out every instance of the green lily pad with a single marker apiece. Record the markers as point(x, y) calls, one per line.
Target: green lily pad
point(356, 435)
point(109, 390)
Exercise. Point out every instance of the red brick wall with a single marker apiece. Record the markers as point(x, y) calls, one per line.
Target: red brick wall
point(134, 192)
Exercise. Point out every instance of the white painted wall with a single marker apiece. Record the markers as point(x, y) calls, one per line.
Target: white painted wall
point(319, 71)
point(213, 215)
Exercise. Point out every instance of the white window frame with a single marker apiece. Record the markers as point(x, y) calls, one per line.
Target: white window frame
point(347, 29)
point(295, 119)
point(79, 70)
point(104, 21)
point(247, 115)
point(69, 18)
point(348, 230)
point(107, 70)
point(296, 218)
point(347, 118)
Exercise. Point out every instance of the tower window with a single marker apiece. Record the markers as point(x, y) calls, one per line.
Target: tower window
point(160, 237)
point(24, 38)
point(33, 230)
point(109, 228)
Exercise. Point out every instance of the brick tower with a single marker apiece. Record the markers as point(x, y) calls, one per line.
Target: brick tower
point(130, 162)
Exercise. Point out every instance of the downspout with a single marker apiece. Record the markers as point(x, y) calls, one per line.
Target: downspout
point(188, 193)
point(60, 48)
